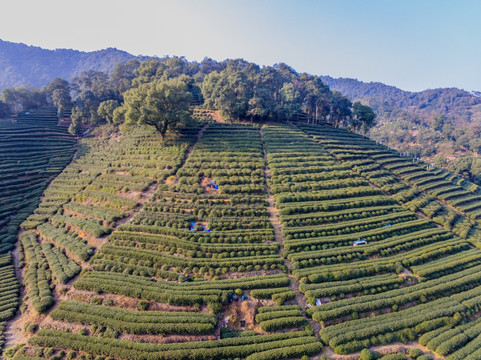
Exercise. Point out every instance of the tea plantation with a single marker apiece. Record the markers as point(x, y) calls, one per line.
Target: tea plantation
point(234, 241)
point(33, 151)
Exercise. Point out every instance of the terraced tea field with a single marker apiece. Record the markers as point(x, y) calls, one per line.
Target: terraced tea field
point(33, 150)
point(235, 241)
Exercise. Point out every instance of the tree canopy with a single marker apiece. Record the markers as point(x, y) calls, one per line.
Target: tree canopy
point(58, 93)
point(4, 110)
point(363, 117)
point(157, 93)
point(106, 109)
point(163, 104)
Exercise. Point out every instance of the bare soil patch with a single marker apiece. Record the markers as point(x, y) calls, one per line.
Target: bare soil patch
point(208, 186)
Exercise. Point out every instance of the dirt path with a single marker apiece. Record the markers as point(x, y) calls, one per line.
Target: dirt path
point(14, 328)
point(147, 194)
point(191, 147)
point(276, 224)
point(14, 331)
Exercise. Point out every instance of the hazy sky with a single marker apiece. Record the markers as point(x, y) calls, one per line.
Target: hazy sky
point(412, 44)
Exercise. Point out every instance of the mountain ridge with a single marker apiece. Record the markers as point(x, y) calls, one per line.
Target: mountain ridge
point(459, 105)
point(23, 64)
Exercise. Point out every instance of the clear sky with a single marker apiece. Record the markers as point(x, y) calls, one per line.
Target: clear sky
point(412, 44)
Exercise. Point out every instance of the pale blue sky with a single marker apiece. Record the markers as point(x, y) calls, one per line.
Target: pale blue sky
point(412, 44)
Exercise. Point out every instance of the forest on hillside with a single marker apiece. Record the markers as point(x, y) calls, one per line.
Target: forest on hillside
point(145, 92)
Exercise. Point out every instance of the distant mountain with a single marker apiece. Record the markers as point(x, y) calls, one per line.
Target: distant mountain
point(406, 121)
point(391, 103)
point(22, 64)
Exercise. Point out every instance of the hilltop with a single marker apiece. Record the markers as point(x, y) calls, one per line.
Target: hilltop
point(442, 126)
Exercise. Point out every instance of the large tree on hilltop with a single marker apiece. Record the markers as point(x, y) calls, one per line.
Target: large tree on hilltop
point(161, 104)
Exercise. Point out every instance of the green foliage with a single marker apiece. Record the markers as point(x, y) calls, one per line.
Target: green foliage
point(22, 98)
point(75, 127)
point(415, 353)
point(244, 90)
point(275, 346)
point(4, 110)
point(205, 235)
point(405, 118)
point(135, 322)
point(57, 93)
point(161, 104)
point(37, 275)
point(394, 357)
point(73, 244)
point(366, 354)
point(90, 227)
point(363, 117)
point(106, 109)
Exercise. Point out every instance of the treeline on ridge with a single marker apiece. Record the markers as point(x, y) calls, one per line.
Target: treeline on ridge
point(237, 88)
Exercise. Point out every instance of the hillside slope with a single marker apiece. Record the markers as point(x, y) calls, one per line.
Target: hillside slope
point(390, 102)
point(33, 151)
point(21, 64)
point(236, 241)
point(444, 122)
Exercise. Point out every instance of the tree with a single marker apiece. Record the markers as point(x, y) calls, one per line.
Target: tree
point(118, 116)
point(439, 121)
point(366, 354)
point(316, 97)
point(122, 76)
point(475, 145)
point(440, 161)
point(363, 117)
point(75, 127)
point(58, 94)
point(229, 91)
point(22, 98)
point(462, 166)
point(161, 104)
point(448, 129)
point(106, 109)
point(146, 72)
point(4, 110)
point(208, 65)
point(91, 88)
point(261, 105)
point(290, 102)
point(340, 109)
